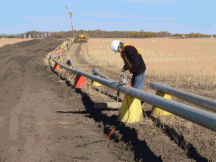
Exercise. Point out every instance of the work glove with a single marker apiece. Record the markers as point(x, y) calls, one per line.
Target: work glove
point(124, 69)
point(130, 75)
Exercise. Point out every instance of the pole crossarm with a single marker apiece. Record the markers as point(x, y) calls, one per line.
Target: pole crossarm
point(70, 18)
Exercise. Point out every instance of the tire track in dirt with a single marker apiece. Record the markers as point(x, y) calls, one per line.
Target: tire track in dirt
point(17, 89)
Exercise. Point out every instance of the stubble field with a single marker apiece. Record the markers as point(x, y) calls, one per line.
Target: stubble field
point(186, 64)
point(190, 62)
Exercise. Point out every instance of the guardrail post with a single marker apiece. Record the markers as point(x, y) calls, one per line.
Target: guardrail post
point(70, 65)
point(51, 60)
point(131, 110)
point(158, 111)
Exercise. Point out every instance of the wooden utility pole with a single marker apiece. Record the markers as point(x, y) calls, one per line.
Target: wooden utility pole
point(71, 19)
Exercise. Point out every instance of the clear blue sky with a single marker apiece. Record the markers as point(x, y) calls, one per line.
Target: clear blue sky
point(174, 16)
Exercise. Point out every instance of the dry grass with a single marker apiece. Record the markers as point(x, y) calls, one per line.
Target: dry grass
point(189, 136)
point(191, 62)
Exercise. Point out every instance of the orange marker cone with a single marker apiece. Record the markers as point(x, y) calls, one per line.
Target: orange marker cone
point(61, 52)
point(56, 67)
point(58, 49)
point(54, 53)
point(80, 81)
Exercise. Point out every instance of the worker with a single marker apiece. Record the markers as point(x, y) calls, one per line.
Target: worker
point(133, 62)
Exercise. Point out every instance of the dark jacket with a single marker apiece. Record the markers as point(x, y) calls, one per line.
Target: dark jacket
point(138, 64)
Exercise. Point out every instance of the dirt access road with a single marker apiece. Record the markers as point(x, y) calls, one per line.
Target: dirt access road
point(32, 127)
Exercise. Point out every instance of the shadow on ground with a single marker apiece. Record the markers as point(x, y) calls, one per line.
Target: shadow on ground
point(128, 135)
point(179, 140)
point(107, 94)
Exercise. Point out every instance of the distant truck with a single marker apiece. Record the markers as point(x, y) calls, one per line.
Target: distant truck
point(81, 38)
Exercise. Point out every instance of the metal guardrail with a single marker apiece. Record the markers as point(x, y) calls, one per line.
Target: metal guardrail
point(101, 74)
point(58, 46)
point(71, 62)
point(59, 55)
point(201, 117)
point(208, 103)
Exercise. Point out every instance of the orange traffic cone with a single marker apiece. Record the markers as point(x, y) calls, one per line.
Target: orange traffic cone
point(58, 49)
point(56, 67)
point(80, 81)
point(54, 53)
point(61, 52)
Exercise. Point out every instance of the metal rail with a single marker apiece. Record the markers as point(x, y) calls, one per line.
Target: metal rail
point(201, 117)
point(59, 55)
point(60, 45)
point(208, 103)
point(71, 62)
point(101, 74)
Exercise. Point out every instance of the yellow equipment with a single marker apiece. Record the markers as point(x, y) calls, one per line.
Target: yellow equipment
point(81, 38)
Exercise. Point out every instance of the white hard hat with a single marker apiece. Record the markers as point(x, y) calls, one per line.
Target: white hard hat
point(114, 45)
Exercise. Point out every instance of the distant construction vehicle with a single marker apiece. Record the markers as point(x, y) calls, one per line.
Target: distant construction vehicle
point(81, 38)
